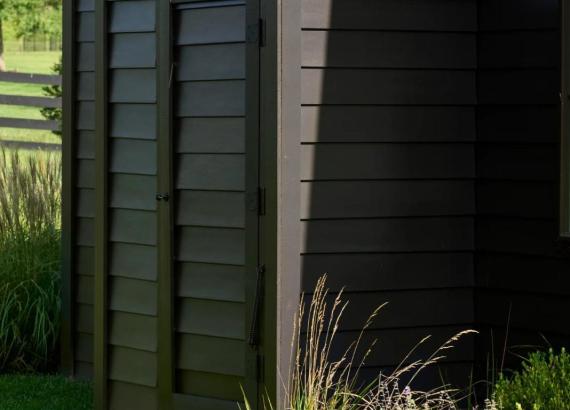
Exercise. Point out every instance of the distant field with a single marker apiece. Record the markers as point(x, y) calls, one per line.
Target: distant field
point(38, 62)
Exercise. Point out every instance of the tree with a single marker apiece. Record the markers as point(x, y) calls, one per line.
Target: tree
point(29, 17)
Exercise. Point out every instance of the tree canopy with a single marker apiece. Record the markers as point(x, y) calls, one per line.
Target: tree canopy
point(30, 17)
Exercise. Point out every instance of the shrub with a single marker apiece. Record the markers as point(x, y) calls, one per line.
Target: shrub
point(543, 383)
point(30, 192)
point(55, 91)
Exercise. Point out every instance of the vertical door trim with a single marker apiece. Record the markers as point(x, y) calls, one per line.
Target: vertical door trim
point(253, 271)
point(165, 73)
point(101, 207)
point(280, 82)
point(564, 212)
point(68, 184)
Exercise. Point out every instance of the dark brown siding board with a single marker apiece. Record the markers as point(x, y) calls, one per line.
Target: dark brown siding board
point(211, 318)
point(211, 135)
point(126, 395)
point(129, 156)
point(365, 49)
point(84, 260)
point(519, 162)
point(86, 57)
point(362, 272)
point(184, 401)
point(395, 344)
point(133, 261)
point(133, 121)
point(132, 16)
point(212, 99)
point(83, 371)
point(519, 199)
point(521, 49)
point(133, 296)
point(209, 385)
point(517, 15)
point(85, 5)
point(84, 289)
point(389, 161)
point(357, 199)
point(211, 281)
point(133, 85)
point(515, 235)
point(443, 307)
point(211, 354)
point(86, 27)
point(517, 124)
point(387, 124)
point(209, 208)
point(519, 87)
point(133, 50)
point(85, 203)
point(134, 331)
point(208, 26)
point(132, 366)
point(85, 145)
point(211, 245)
point(85, 231)
point(516, 273)
point(440, 15)
point(387, 235)
point(84, 318)
point(86, 86)
point(133, 192)
point(84, 347)
point(368, 86)
point(211, 172)
point(527, 311)
point(85, 116)
point(211, 62)
point(131, 226)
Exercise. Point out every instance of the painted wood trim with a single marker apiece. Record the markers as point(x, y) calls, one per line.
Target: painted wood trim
point(166, 295)
point(101, 209)
point(253, 352)
point(68, 205)
point(279, 174)
point(565, 123)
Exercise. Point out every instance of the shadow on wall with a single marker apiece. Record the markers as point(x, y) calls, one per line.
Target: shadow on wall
point(388, 168)
point(429, 144)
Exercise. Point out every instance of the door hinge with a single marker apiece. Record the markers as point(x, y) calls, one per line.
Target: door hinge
point(255, 33)
point(253, 339)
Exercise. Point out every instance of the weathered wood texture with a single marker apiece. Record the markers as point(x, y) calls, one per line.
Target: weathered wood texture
point(83, 258)
point(520, 265)
point(388, 164)
point(209, 177)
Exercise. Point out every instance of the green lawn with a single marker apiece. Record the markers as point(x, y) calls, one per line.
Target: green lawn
point(43, 393)
point(31, 62)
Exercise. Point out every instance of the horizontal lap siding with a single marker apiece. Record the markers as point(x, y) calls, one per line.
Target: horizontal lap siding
point(210, 205)
point(132, 203)
point(387, 164)
point(519, 264)
point(83, 258)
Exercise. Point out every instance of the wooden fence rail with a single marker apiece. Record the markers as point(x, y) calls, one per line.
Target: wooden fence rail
point(28, 101)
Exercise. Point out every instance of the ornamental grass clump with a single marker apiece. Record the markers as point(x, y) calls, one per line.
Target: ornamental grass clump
point(30, 200)
point(317, 381)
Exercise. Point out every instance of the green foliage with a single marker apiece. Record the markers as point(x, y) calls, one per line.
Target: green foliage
point(44, 393)
point(30, 191)
point(30, 17)
point(55, 91)
point(543, 383)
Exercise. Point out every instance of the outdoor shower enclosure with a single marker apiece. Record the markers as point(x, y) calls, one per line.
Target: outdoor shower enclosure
point(219, 156)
